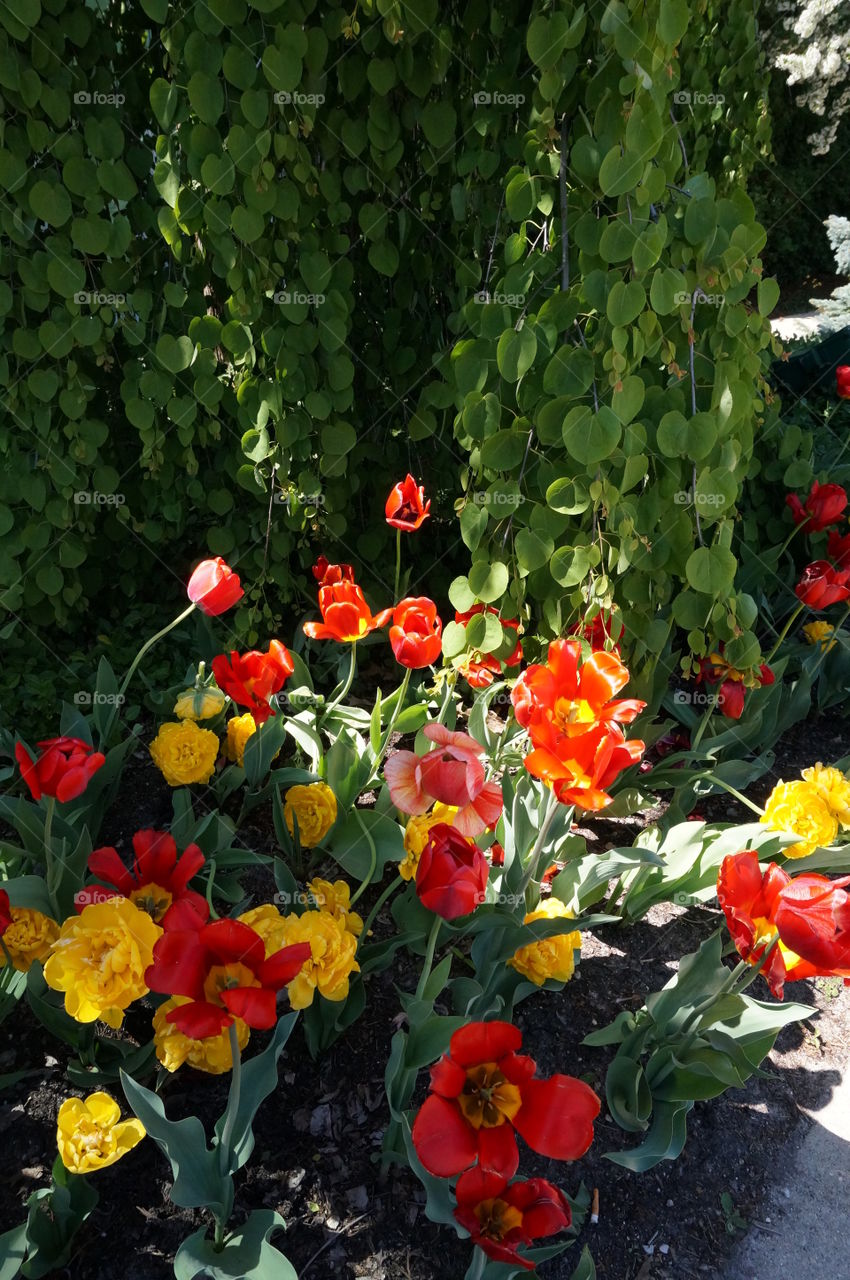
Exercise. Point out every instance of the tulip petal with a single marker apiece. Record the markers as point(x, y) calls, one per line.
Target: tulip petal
point(484, 1042)
point(444, 1142)
point(107, 865)
point(556, 1116)
point(256, 1006)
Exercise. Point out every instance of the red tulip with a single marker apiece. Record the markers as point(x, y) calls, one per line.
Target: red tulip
point(222, 969)
point(842, 381)
point(252, 678)
point(452, 773)
point(5, 912)
point(157, 882)
point(729, 699)
point(567, 699)
point(838, 546)
point(483, 1093)
point(822, 585)
point(823, 506)
point(451, 879)
point(599, 633)
point(813, 919)
point(214, 587)
point(481, 669)
point(580, 770)
point(416, 631)
point(346, 616)
point(327, 574)
point(501, 1219)
point(63, 769)
point(406, 506)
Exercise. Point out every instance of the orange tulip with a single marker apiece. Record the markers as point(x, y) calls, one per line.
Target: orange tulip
point(345, 615)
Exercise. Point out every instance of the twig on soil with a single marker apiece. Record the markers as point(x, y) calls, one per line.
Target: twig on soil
point(336, 1235)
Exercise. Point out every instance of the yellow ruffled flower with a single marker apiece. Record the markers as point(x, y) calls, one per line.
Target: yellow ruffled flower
point(267, 921)
point(314, 805)
point(239, 730)
point(798, 807)
point(184, 753)
point(332, 957)
point(416, 836)
point(550, 957)
point(29, 937)
point(99, 960)
point(336, 898)
point(819, 633)
point(199, 704)
point(212, 1055)
point(833, 788)
point(91, 1135)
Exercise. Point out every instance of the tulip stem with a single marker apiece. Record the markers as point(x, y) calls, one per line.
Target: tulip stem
point(530, 873)
point(390, 889)
point(373, 857)
point(710, 777)
point(50, 872)
point(149, 644)
point(783, 633)
point(232, 1100)
point(397, 565)
point(429, 958)
point(348, 682)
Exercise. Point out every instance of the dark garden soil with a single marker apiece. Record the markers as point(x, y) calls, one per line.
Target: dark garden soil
point(319, 1135)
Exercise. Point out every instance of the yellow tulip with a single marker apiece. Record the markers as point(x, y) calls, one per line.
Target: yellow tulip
point(90, 1133)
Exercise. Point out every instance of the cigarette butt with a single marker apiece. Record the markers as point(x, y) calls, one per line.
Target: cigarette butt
point(594, 1206)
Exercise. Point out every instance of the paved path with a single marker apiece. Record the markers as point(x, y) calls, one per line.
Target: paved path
point(808, 1228)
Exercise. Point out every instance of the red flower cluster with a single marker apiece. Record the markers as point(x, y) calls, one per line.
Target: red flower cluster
point(327, 574)
point(63, 768)
point(481, 669)
point(842, 381)
point(452, 773)
point(416, 632)
point(223, 970)
point(158, 881)
point(574, 726)
point(451, 878)
point(807, 917)
point(599, 633)
point(252, 678)
point(406, 507)
point(823, 584)
point(822, 507)
point(214, 587)
point(5, 912)
point(733, 683)
point(483, 1093)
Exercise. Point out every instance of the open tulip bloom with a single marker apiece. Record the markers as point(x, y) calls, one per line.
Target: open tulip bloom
point(502, 1219)
point(823, 584)
point(223, 970)
point(823, 506)
point(453, 774)
point(346, 617)
point(805, 920)
point(63, 768)
point(406, 507)
point(483, 1093)
point(252, 678)
point(157, 882)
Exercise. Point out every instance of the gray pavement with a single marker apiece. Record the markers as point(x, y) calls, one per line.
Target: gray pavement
point(805, 1221)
